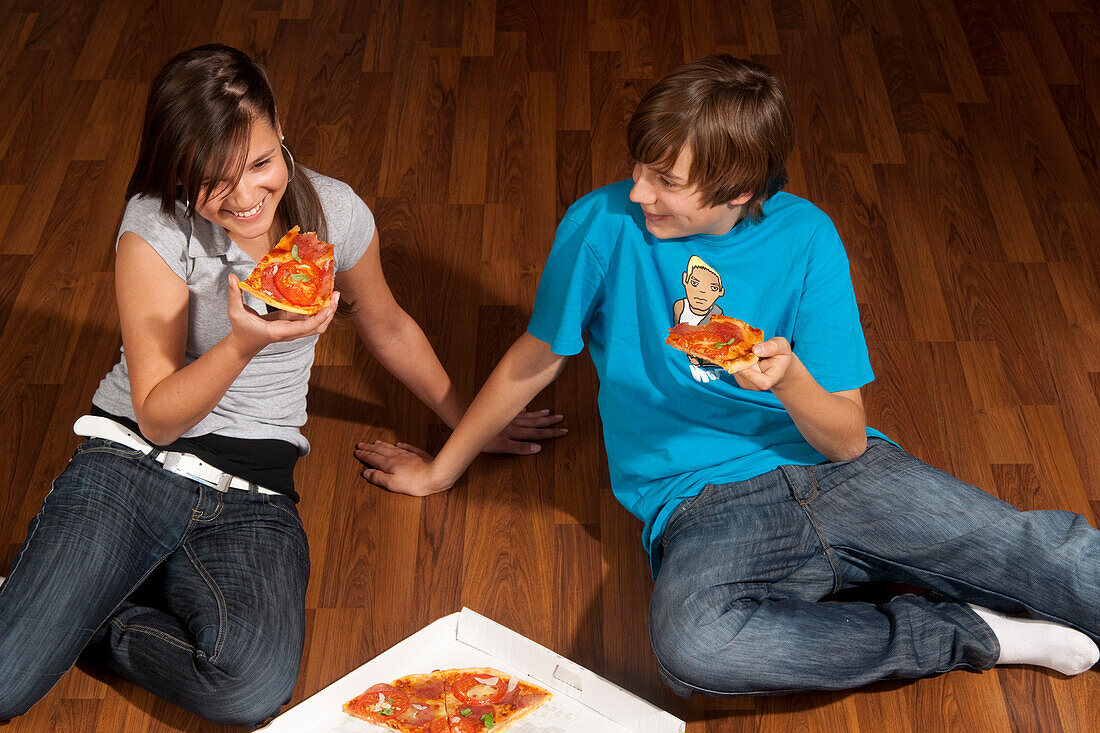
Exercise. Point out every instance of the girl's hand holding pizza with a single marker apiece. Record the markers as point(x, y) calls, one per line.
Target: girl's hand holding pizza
point(253, 331)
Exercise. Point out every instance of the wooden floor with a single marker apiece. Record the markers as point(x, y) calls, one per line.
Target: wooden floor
point(955, 144)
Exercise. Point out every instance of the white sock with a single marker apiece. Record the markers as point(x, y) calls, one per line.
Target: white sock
point(1041, 643)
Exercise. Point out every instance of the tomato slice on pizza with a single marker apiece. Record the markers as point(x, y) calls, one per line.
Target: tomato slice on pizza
point(381, 704)
point(723, 341)
point(296, 275)
point(483, 699)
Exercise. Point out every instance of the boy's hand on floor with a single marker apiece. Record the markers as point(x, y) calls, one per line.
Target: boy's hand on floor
point(399, 467)
point(525, 427)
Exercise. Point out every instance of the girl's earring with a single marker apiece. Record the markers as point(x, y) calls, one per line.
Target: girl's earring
point(293, 167)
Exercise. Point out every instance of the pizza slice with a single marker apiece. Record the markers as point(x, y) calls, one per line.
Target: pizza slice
point(723, 341)
point(411, 704)
point(483, 699)
point(296, 275)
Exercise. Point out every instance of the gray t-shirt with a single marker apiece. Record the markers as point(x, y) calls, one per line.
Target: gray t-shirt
point(268, 398)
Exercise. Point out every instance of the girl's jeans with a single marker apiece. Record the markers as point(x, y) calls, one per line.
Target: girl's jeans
point(736, 608)
point(191, 593)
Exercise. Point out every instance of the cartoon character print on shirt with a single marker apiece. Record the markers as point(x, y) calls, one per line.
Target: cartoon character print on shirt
point(702, 289)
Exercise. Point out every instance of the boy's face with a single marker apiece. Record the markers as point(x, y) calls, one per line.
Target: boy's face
point(674, 209)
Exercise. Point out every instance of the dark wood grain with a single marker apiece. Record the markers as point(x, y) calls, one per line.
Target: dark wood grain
point(954, 143)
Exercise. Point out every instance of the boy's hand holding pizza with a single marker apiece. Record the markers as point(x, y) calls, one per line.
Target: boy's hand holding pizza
point(775, 359)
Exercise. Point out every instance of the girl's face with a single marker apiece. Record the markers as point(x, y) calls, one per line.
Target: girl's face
point(247, 211)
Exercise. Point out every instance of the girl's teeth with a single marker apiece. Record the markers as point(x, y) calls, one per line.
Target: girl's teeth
point(251, 212)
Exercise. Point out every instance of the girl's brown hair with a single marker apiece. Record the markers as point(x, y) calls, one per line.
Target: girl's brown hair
point(735, 118)
point(198, 123)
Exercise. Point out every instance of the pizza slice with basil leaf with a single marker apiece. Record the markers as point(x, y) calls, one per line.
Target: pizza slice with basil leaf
point(296, 275)
point(723, 341)
point(411, 704)
point(483, 699)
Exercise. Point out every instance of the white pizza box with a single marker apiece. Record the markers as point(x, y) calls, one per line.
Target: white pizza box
point(583, 701)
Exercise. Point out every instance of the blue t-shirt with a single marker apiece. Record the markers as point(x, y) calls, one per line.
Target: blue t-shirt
point(670, 426)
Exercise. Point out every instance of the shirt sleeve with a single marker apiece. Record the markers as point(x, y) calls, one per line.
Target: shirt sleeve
point(165, 235)
point(357, 232)
point(827, 335)
point(568, 292)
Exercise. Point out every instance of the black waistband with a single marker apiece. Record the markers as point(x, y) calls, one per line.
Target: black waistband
point(265, 461)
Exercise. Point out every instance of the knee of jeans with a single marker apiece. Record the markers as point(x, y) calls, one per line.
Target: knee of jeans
point(247, 703)
point(248, 691)
point(696, 655)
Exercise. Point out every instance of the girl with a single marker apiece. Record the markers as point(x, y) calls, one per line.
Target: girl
point(170, 550)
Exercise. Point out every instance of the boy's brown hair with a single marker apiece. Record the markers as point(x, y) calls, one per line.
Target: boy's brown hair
point(735, 117)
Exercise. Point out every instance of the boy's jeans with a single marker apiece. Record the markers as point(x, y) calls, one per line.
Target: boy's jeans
point(736, 605)
point(216, 624)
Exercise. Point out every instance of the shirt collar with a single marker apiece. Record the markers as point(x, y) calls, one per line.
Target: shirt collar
point(209, 240)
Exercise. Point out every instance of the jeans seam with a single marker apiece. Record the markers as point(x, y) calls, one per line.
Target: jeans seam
point(128, 453)
point(197, 515)
point(297, 519)
point(986, 631)
point(826, 548)
point(156, 633)
point(219, 599)
point(682, 510)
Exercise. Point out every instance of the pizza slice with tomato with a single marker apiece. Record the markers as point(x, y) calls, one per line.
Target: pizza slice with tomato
point(483, 699)
point(411, 704)
point(722, 341)
point(296, 275)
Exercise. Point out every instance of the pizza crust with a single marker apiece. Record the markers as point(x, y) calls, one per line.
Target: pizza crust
point(740, 364)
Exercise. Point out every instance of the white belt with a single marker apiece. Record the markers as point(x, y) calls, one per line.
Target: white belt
point(181, 464)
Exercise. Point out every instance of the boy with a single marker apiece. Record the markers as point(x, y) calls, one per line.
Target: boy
point(766, 491)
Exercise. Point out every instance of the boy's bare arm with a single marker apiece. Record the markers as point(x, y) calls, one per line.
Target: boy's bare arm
point(834, 423)
point(526, 369)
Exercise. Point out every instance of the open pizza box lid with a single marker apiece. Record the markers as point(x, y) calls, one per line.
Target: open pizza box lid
point(583, 701)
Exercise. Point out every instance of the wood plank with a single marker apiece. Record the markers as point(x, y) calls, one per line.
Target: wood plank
point(872, 101)
point(953, 143)
point(470, 149)
point(959, 67)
